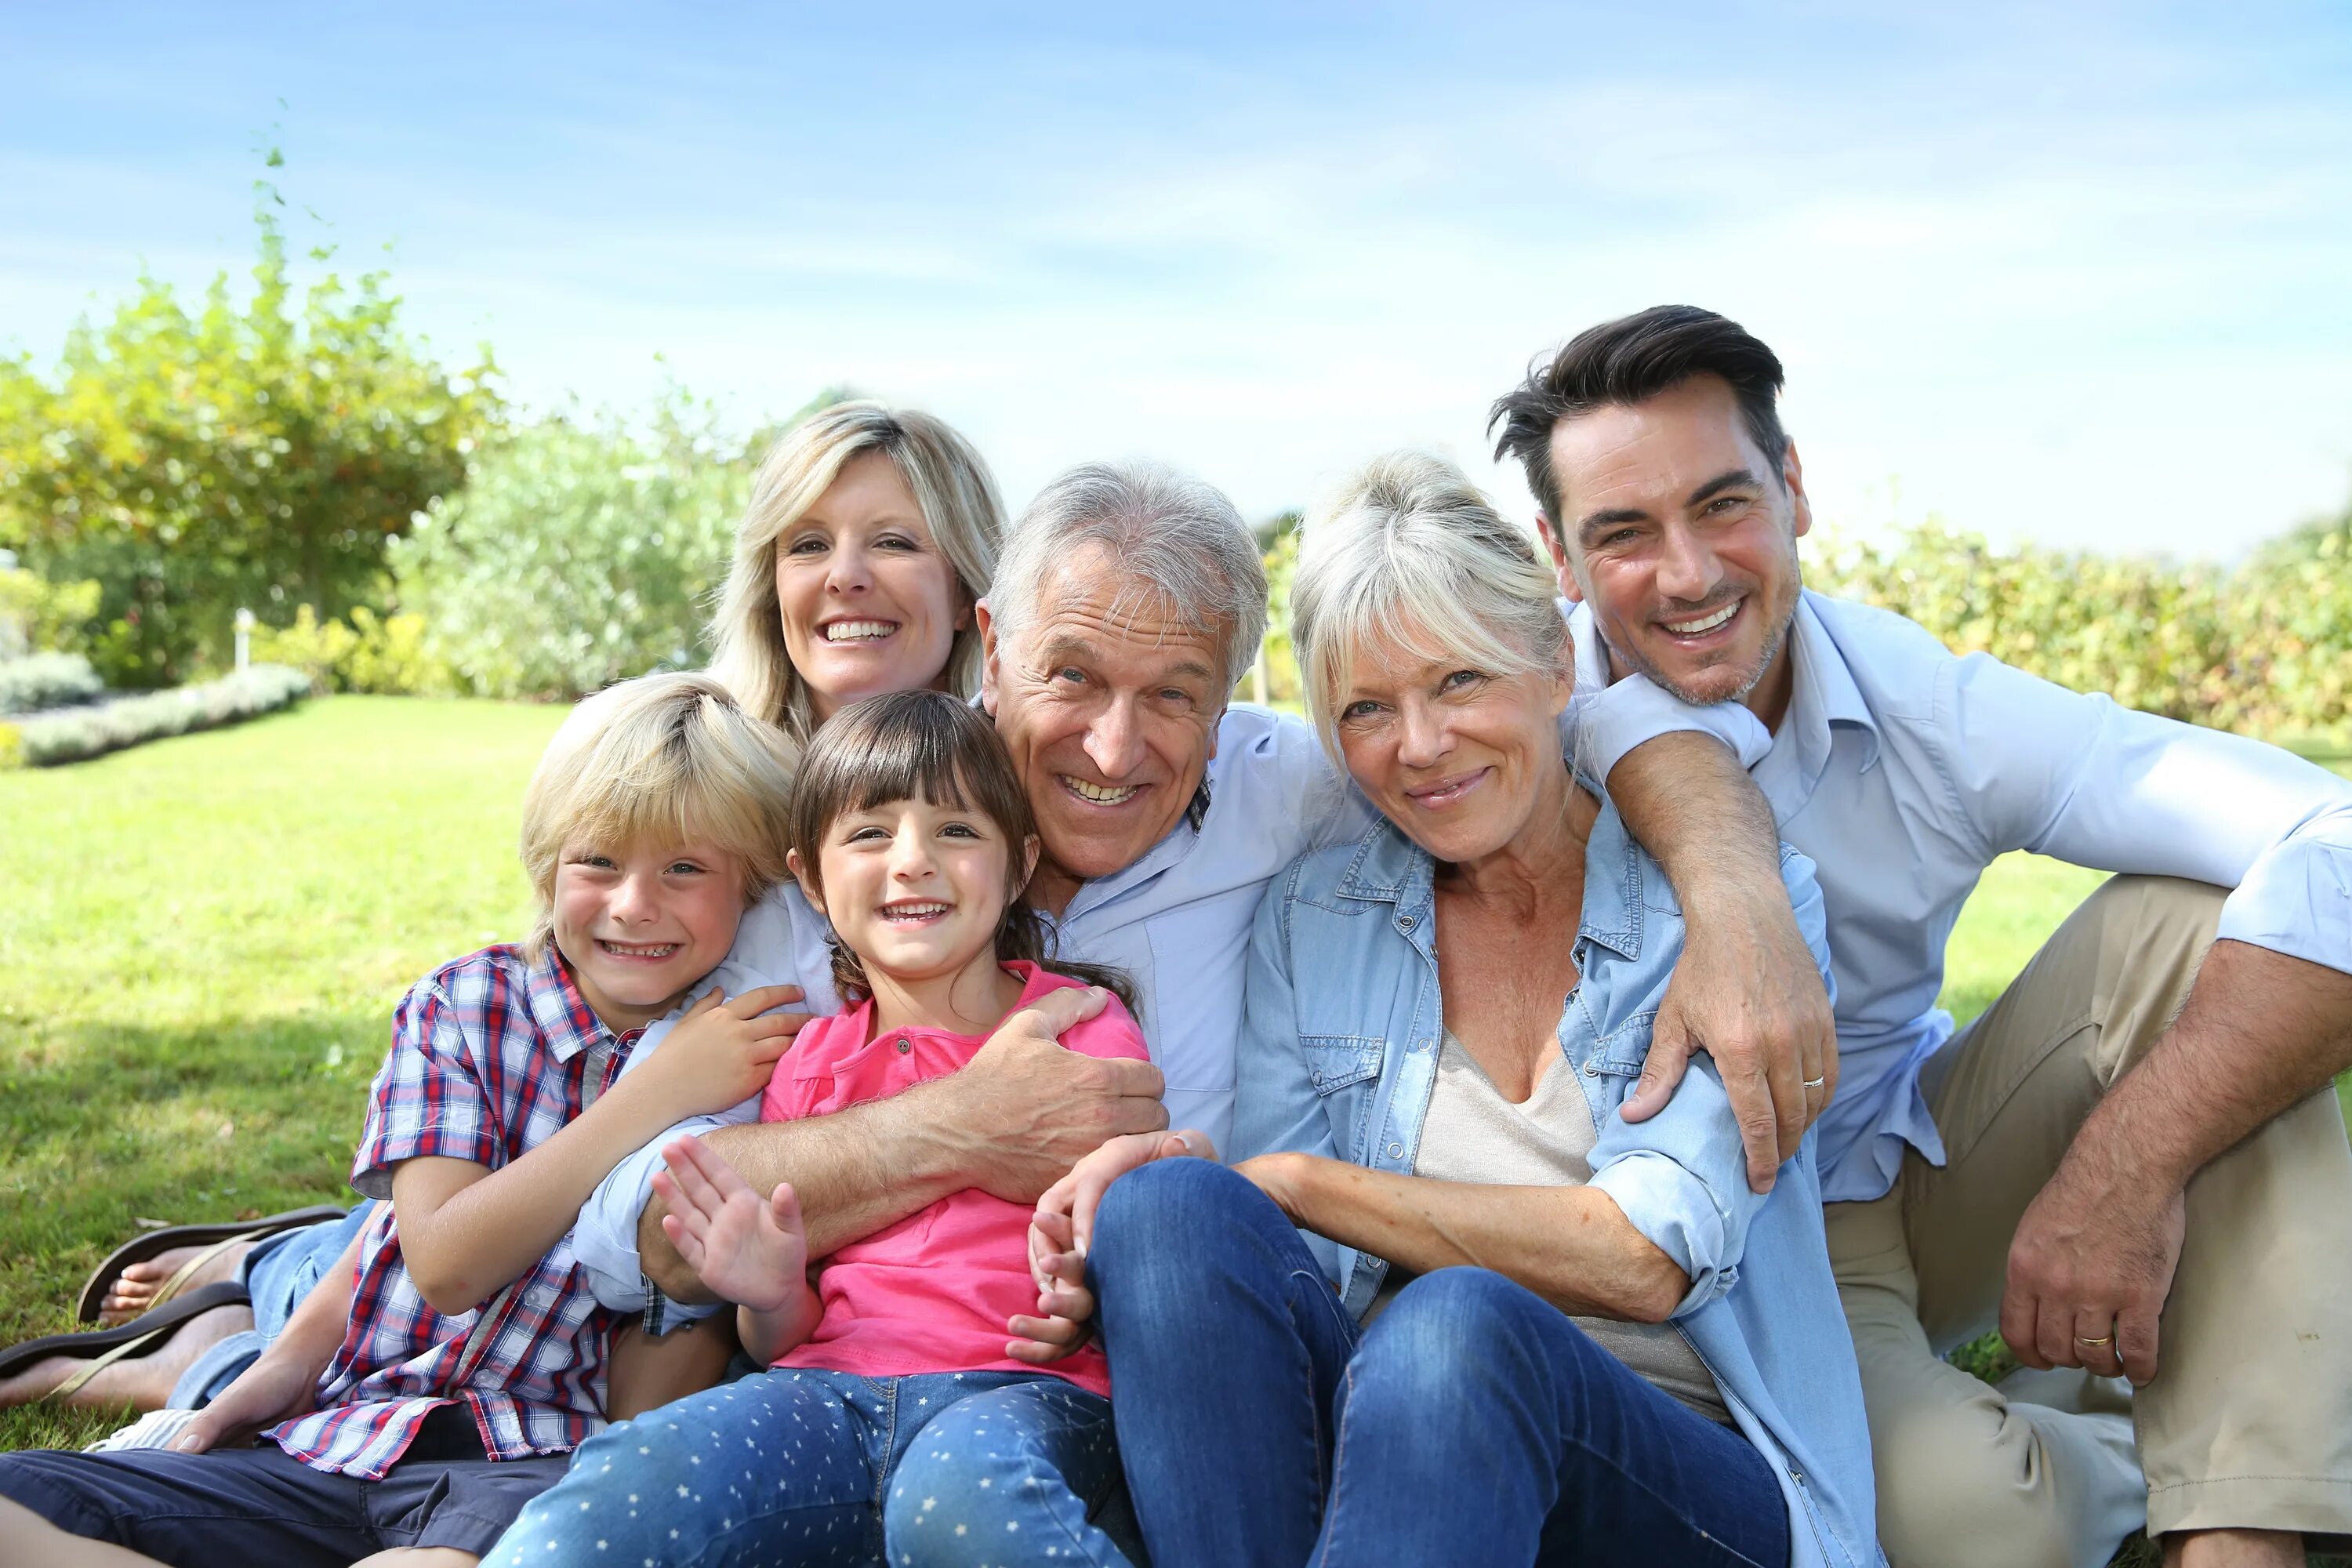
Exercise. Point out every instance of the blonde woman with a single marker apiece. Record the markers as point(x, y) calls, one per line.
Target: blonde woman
point(871, 533)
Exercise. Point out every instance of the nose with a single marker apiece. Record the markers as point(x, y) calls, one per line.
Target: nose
point(1687, 570)
point(848, 571)
point(633, 902)
point(910, 857)
point(1422, 737)
point(1114, 740)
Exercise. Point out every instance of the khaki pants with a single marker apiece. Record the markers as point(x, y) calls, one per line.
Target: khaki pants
point(2249, 1421)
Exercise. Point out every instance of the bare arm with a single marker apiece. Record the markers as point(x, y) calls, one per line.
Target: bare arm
point(1010, 1123)
point(2096, 1253)
point(1572, 1246)
point(468, 1231)
point(1748, 990)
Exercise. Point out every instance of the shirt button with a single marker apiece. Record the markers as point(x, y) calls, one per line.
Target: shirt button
point(1396, 1150)
point(1404, 922)
point(905, 1044)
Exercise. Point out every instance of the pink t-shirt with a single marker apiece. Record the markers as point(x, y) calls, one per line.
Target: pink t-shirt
point(932, 1292)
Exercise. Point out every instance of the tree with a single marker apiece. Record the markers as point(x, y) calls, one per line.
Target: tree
point(192, 463)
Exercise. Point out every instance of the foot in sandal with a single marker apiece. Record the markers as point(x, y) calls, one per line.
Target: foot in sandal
point(136, 1288)
point(144, 1382)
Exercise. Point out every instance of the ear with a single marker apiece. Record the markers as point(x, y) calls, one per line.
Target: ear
point(965, 604)
point(1792, 476)
point(1563, 570)
point(986, 620)
point(801, 874)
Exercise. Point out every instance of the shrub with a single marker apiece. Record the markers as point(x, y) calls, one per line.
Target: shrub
point(191, 462)
point(37, 615)
point(577, 553)
point(47, 680)
point(381, 653)
point(89, 733)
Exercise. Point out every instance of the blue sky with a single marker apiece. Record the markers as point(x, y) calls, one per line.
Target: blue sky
point(2081, 277)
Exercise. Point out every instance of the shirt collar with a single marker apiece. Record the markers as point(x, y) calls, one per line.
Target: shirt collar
point(1823, 696)
point(1390, 867)
point(566, 1023)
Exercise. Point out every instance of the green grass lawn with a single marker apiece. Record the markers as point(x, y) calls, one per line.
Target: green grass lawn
point(201, 940)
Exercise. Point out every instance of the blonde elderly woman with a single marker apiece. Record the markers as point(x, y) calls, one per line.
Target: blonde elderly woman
point(871, 535)
point(1450, 1307)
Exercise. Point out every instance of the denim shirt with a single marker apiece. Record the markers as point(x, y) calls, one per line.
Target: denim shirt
point(1339, 1057)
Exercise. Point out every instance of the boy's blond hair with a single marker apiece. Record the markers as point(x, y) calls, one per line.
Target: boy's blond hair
point(665, 759)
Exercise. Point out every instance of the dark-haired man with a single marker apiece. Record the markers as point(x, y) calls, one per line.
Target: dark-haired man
point(2132, 1162)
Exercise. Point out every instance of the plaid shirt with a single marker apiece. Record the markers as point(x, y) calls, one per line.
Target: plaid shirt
point(491, 1055)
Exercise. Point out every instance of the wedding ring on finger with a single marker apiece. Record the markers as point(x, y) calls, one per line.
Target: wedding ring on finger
point(1815, 1083)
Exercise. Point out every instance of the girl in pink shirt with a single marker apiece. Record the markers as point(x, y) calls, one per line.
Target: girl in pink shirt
point(905, 1433)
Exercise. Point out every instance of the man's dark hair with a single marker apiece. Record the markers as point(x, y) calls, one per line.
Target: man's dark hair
point(1629, 361)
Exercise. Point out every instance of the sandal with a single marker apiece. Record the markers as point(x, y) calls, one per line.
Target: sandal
point(107, 1346)
point(214, 1238)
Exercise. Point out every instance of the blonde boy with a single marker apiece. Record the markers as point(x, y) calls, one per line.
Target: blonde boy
point(416, 1412)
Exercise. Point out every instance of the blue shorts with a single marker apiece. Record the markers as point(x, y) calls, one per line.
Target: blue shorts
point(258, 1505)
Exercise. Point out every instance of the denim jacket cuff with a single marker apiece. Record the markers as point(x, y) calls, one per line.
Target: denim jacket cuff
point(1674, 1211)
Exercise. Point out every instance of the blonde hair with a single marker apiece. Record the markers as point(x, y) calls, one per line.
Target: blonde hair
point(660, 759)
point(1408, 552)
point(951, 486)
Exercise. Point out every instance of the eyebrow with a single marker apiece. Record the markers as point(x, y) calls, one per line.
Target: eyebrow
point(1594, 521)
point(1067, 649)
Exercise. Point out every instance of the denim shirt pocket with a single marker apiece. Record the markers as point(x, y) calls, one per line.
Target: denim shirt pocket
point(1343, 1070)
point(1623, 1051)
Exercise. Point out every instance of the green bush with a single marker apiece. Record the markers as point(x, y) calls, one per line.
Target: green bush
point(89, 733)
point(385, 655)
point(191, 462)
point(46, 680)
point(577, 553)
point(40, 616)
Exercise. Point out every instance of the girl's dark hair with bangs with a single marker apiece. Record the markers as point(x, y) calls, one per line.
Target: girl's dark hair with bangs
point(906, 745)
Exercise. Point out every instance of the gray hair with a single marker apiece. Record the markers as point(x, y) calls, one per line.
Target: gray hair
point(1174, 536)
point(1406, 550)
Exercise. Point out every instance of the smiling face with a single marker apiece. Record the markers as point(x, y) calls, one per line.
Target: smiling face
point(868, 601)
point(1108, 704)
point(1462, 760)
point(916, 890)
point(1683, 538)
point(641, 926)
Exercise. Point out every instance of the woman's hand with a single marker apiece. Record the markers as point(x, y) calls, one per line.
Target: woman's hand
point(276, 1387)
point(722, 1052)
point(752, 1251)
point(1062, 1230)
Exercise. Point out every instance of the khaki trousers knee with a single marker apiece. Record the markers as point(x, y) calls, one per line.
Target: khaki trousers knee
point(2249, 1421)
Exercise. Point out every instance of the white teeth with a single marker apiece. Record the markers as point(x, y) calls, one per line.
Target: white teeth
point(1692, 628)
point(1102, 794)
point(909, 911)
point(644, 950)
point(858, 631)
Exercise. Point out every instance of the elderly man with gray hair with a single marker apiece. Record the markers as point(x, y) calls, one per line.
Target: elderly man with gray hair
point(1128, 601)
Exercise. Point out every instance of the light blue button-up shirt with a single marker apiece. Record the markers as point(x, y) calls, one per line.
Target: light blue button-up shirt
point(1902, 771)
point(1339, 1057)
point(1177, 923)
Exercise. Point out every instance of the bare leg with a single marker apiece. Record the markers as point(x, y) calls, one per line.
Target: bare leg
point(649, 1372)
point(2233, 1549)
point(32, 1541)
point(142, 1383)
point(133, 1290)
point(417, 1557)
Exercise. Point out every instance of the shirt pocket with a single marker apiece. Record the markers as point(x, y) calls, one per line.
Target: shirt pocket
point(1334, 1062)
point(1626, 1050)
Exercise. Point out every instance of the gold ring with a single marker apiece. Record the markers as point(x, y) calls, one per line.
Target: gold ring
point(2102, 1340)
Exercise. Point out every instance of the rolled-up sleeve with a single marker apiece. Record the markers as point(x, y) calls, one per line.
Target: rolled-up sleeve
point(1681, 1177)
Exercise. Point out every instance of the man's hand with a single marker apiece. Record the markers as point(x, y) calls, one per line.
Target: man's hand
point(276, 1387)
point(1027, 1110)
point(2091, 1265)
point(1748, 993)
point(722, 1052)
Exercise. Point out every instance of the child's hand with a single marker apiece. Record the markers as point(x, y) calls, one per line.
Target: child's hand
point(752, 1251)
point(723, 1051)
point(1066, 1307)
point(276, 1387)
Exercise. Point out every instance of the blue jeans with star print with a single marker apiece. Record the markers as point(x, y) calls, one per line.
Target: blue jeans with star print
point(801, 1468)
